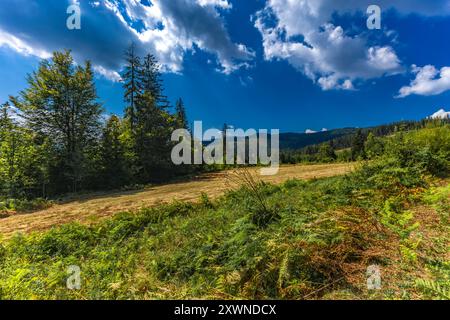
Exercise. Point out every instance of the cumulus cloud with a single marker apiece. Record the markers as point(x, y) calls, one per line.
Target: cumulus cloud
point(333, 82)
point(310, 131)
point(224, 4)
point(22, 47)
point(302, 32)
point(441, 114)
point(166, 28)
point(429, 81)
point(189, 22)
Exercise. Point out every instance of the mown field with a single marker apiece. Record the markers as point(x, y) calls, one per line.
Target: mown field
point(94, 208)
point(300, 239)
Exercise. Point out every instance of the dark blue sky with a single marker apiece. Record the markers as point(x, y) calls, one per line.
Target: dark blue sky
point(352, 77)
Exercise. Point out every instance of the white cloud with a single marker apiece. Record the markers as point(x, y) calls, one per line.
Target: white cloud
point(429, 81)
point(333, 82)
point(441, 114)
point(224, 4)
point(310, 131)
point(167, 28)
point(21, 46)
point(108, 74)
point(302, 33)
point(175, 26)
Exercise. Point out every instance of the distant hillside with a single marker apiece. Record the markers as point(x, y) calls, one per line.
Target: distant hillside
point(296, 141)
point(342, 138)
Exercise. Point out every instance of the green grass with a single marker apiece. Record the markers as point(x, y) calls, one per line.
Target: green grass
point(298, 240)
point(209, 250)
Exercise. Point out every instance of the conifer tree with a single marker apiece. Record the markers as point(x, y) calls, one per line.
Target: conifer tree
point(152, 139)
point(358, 145)
point(115, 171)
point(180, 115)
point(132, 83)
point(150, 75)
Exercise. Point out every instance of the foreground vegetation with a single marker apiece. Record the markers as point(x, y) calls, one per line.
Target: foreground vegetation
point(299, 240)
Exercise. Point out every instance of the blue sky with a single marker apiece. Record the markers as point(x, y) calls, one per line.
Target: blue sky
point(275, 64)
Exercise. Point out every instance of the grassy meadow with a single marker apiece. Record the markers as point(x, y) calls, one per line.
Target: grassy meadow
point(300, 239)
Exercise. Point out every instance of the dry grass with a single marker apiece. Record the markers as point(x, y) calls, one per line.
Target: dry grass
point(91, 209)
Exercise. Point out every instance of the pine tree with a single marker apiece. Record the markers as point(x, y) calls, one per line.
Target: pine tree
point(4, 119)
point(115, 171)
point(225, 127)
point(152, 139)
point(358, 147)
point(151, 80)
point(132, 83)
point(180, 115)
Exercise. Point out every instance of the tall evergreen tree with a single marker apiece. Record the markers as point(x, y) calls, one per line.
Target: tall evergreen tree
point(115, 171)
point(358, 145)
point(151, 80)
point(132, 83)
point(180, 115)
point(4, 119)
point(61, 105)
point(225, 127)
point(152, 139)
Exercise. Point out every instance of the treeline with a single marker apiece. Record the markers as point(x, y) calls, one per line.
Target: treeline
point(54, 138)
point(363, 144)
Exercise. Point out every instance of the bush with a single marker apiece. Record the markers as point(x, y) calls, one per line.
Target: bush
point(23, 206)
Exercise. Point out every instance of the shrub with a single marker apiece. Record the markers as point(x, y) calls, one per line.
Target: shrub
point(23, 205)
point(205, 201)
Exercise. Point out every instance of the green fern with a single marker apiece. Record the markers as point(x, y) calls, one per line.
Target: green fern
point(434, 288)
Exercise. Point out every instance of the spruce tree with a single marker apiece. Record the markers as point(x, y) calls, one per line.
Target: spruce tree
point(150, 75)
point(180, 115)
point(358, 146)
point(152, 139)
point(115, 172)
point(132, 83)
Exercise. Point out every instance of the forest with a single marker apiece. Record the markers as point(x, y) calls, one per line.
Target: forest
point(54, 138)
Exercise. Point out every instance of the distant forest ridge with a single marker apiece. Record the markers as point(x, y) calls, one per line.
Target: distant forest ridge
point(342, 138)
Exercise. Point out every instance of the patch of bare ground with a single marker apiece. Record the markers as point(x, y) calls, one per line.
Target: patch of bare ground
point(91, 209)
